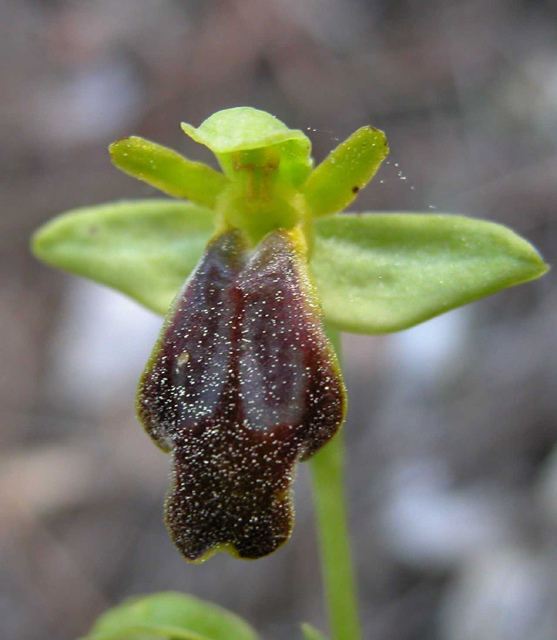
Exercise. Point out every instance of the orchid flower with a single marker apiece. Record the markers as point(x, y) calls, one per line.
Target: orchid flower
point(247, 266)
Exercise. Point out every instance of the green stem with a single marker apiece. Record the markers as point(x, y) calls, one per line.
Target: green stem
point(327, 469)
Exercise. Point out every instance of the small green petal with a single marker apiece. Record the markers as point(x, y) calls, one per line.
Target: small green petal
point(240, 129)
point(143, 248)
point(378, 273)
point(172, 616)
point(337, 180)
point(167, 170)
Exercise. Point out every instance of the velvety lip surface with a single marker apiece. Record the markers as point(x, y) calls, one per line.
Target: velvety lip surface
point(242, 383)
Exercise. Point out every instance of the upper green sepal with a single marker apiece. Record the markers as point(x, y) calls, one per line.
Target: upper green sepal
point(242, 129)
point(143, 248)
point(230, 132)
point(378, 273)
point(170, 616)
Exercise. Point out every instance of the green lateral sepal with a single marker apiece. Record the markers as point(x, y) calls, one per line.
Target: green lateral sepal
point(143, 248)
point(378, 273)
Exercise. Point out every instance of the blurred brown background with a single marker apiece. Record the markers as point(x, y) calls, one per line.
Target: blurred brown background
point(452, 484)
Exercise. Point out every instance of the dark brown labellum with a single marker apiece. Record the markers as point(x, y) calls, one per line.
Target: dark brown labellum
point(241, 385)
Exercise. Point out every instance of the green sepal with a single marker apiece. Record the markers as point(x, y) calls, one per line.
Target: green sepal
point(230, 132)
point(143, 248)
point(375, 273)
point(378, 273)
point(170, 616)
point(311, 633)
point(337, 180)
point(167, 170)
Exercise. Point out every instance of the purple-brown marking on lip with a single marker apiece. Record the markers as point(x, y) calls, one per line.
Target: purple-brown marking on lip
point(242, 384)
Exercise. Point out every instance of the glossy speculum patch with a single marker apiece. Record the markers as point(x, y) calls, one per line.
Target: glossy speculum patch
point(241, 385)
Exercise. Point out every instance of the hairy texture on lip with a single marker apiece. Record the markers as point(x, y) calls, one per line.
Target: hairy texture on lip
point(241, 384)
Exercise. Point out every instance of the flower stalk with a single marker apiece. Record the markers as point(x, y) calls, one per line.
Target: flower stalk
point(339, 580)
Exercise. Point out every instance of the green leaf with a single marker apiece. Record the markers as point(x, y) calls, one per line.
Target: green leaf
point(337, 180)
point(377, 273)
point(311, 633)
point(143, 248)
point(244, 129)
point(167, 170)
point(170, 615)
point(148, 632)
